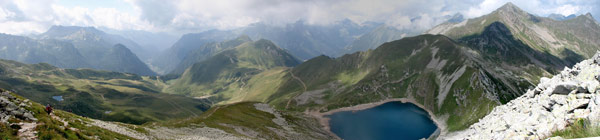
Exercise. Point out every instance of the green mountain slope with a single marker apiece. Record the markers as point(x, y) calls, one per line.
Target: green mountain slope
point(228, 72)
point(97, 94)
point(451, 80)
point(206, 51)
point(255, 121)
point(169, 59)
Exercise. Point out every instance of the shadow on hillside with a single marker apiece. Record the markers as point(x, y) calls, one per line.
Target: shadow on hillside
point(498, 44)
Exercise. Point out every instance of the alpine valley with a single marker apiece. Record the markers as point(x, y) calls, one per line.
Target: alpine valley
point(508, 74)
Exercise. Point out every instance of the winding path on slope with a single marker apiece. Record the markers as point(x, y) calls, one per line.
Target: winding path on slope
point(303, 85)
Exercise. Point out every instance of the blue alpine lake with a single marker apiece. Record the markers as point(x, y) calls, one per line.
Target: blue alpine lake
point(389, 121)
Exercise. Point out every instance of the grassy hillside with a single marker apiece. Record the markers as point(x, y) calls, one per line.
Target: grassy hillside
point(98, 94)
point(206, 51)
point(236, 73)
point(256, 121)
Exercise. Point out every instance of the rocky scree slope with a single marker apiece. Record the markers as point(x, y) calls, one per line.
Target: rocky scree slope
point(552, 105)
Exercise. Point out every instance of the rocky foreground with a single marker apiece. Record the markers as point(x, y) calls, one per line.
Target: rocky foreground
point(14, 108)
point(553, 105)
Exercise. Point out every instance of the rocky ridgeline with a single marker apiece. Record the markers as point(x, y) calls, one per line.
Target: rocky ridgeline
point(12, 107)
point(552, 105)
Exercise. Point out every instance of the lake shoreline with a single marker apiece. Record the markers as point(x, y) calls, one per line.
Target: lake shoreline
point(324, 121)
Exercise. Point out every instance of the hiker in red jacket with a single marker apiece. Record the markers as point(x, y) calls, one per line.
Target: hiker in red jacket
point(49, 109)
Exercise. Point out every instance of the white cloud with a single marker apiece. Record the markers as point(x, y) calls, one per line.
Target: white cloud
point(28, 27)
point(197, 15)
point(483, 8)
point(567, 10)
point(5, 14)
point(38, 16)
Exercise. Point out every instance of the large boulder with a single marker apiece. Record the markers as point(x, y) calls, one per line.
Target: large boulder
point(565, 88)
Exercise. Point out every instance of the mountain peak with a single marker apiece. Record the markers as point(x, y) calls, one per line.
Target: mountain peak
point(72, 28)
point(456, 18)
point(589, 15)
point(510, 7)
point(244, 38)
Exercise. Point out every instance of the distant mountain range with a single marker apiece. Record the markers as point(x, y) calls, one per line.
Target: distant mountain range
point(76, 47)
point(301, 40)
point(27, 50)
point(561, 17)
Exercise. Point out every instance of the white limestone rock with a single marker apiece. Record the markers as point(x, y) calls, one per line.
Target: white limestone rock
point(552, 105)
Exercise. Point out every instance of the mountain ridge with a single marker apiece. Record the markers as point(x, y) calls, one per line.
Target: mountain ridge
point(541, 33)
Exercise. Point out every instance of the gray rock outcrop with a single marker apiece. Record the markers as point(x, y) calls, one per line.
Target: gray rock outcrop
point(551, 106)
point(10, 106)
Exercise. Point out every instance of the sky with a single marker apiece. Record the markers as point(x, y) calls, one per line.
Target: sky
point(23, 17)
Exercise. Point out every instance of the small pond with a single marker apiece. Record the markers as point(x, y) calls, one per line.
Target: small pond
point(57, 98)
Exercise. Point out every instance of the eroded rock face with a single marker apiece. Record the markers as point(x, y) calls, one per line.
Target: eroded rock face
point(554, 104)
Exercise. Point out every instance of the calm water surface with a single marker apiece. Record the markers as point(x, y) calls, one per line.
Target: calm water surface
point(389, 121)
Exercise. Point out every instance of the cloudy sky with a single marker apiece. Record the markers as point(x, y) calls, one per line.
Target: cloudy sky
point(182, 16)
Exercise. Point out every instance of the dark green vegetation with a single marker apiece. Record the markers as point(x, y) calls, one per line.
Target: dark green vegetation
point(63, 125)
point(98, 94)
point(580, 129)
